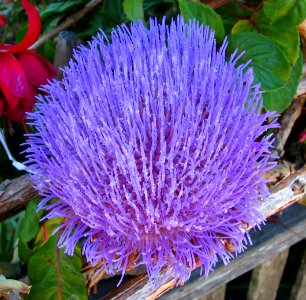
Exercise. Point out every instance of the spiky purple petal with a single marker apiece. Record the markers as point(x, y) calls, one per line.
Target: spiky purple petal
point(153, 144)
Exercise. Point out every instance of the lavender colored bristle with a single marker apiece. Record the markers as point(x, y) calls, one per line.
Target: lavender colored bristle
point(153, 145)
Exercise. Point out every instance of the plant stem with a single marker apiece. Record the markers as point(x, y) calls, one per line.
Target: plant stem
point(71, 20)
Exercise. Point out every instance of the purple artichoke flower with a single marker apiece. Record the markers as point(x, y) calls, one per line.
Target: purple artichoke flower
point(153, 145)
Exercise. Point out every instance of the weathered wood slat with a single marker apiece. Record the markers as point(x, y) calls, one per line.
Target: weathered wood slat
point(285, 193)
point(287, 121)
point(266, 277)
point(272, 239)
point(298, 291)
point(302, 85)
point(67, 41)
point(216, 294)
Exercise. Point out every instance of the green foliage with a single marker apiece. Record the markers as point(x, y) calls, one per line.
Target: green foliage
point(270, 65)
point(280, 99)
point(50, 270)
point(285, 16)
point(9, 230)
point(204, 14)
point(52, 10)
point(134, 10)
point(55, 275)
point(277, 9)
point(288, 41)
point(278, 22)
point(231, 13)
point(160, 9)
point(105, 17)
point(29, 228)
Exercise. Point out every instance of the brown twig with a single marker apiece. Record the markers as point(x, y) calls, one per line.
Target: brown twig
point(291, 114)
point(15, 194)
point(287, 122)
point(285, 193)
point(71, 20)
point(302, 85)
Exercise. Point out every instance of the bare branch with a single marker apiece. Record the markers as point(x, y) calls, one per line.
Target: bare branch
point(287, 122)
point(15, 194)
point(291, 114)
point(71, 20)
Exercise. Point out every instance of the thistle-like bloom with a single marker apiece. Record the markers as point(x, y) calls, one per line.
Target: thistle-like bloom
point(153, 145)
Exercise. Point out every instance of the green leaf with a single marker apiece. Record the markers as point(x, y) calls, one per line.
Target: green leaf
point(230, 14)
point(243, 26)
point(280, 99)
point(205, 15)
point(55, 275)
point(29, 228)
point(55, 9)
point(107, 17)
point(295, 16)
point(277, 9)
point(9, 230)
point(271, 66)
point(113, 10)
point(134, 10)
point(288, 40)
point(45, 233)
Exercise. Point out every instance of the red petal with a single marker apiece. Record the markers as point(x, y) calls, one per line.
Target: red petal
point(3, 23)
point(37, 69)
point(16, 107)
point(9, 99)
point(13, 78)
point(1, 107)
point(18, 113)
point(34, 27)
point(302, 137)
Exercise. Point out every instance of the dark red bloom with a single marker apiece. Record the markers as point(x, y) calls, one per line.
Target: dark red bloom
point(3, 21)
point(302, 137)
point(22, 71)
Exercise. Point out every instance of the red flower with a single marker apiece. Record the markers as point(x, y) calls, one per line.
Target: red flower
point(302, 137)
point(22, 70)
point(3, 21)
